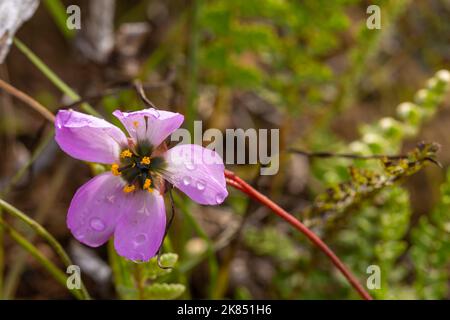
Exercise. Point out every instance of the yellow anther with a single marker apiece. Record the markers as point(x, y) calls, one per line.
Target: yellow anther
point(126, 154)
point(115, 169)
point(145, 160)
point(129, 188)
point(147, 184)
point(150, 190)
point(135, 124)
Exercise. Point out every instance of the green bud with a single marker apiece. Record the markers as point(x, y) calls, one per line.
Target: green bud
point(409, 112)
point(391, 128)
point(375, 142)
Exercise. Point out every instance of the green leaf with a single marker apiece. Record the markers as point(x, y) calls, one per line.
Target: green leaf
point(153, 271)
point(163, 291)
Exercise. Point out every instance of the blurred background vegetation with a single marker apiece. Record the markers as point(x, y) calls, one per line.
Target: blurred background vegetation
point(310, 68)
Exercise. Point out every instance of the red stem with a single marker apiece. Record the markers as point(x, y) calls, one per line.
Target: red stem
point(234, 184)
point(243, 186)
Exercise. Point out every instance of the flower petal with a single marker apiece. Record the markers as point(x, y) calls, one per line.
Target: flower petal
point(141, 229)
point(87, 137)
point(198, 172)
point(95, 209)
point(150, 125)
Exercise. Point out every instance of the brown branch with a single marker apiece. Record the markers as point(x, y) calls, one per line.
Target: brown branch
point(345, 155)
point(128, 85)
point(27, 100)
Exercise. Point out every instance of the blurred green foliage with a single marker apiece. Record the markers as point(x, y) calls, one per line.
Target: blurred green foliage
point(430, 249)
point(375, 232)
point(281, 51)
point(274, 47)
point(145, 280)
point(308, 60)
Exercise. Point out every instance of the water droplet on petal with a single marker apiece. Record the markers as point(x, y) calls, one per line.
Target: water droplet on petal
point(140, 238)
point(219, 198)
point(97, 224)
point(79, 234)
point(189, 165)
point(201, 185)
point(111, 198)
point(187, 180)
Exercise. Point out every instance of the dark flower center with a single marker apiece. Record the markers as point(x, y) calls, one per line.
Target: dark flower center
point(141, 167)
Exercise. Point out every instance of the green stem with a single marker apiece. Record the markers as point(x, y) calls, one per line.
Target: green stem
point(17, 266)
point(61, 85)
point(210, 252)
point(122, 278)
point(58, 11)
point(40, 230)
point(139, 280)
point(36, 153)
point(47, 264)
point(16, 178)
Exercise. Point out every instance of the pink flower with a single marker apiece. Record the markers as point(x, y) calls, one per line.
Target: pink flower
point(128, 202)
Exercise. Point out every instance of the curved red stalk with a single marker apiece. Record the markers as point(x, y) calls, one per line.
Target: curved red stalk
point(243, 186)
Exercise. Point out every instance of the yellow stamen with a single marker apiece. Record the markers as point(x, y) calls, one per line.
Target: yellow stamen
point(145, 160)
point(115, 169)
point(129, 188)
point(126, 154)
point(135, 124)
point(147, 184)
